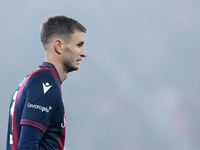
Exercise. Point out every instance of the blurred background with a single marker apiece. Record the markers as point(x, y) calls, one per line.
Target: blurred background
point(139, 86)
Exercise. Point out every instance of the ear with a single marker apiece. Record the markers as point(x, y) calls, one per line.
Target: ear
point(57, 46)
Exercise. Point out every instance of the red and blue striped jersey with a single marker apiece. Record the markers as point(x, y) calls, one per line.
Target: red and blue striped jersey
point(37, 102)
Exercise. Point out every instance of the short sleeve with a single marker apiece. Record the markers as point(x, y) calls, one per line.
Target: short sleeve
point(41, 101)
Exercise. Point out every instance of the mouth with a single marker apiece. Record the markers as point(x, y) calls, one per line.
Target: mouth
point(78, 61)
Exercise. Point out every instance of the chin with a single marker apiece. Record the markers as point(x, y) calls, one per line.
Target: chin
point(73, 69)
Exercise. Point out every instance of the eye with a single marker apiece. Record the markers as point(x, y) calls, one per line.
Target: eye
point(80, 44)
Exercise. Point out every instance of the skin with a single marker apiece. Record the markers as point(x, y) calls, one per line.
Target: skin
point(65, 54)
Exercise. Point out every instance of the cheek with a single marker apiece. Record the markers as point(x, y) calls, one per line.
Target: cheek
point(69, 58)
point(71, 54)
point(75, 54)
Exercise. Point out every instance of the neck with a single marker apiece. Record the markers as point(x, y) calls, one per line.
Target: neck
point(59, 68)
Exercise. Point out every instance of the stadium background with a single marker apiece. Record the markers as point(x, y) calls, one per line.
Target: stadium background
point(138, 88)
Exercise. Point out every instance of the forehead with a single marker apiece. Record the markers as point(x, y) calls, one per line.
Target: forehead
point(77, 36)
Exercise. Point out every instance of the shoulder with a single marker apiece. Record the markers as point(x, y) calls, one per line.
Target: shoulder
point(42, 83)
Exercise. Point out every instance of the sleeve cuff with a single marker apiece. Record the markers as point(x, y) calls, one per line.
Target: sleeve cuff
point(34, 124)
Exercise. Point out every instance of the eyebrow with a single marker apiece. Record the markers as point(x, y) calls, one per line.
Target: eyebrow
point(80, 43)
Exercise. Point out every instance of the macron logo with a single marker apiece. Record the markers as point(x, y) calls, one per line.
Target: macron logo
point(46, 87)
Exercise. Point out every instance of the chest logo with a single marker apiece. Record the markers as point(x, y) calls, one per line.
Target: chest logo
point(63, 125)
point(46, 87)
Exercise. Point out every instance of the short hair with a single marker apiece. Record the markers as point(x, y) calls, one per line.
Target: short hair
point(59, 25)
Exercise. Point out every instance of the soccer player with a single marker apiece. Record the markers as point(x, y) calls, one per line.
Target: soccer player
point(37, 117)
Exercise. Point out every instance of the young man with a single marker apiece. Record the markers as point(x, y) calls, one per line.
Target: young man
point(37, 116)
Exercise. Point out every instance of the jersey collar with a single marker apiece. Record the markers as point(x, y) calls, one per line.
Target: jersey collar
point(53, 70)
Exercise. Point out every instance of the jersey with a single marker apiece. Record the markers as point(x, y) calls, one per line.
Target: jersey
point(37, 102)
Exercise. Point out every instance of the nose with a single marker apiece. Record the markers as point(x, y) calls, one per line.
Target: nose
point(83, 53)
